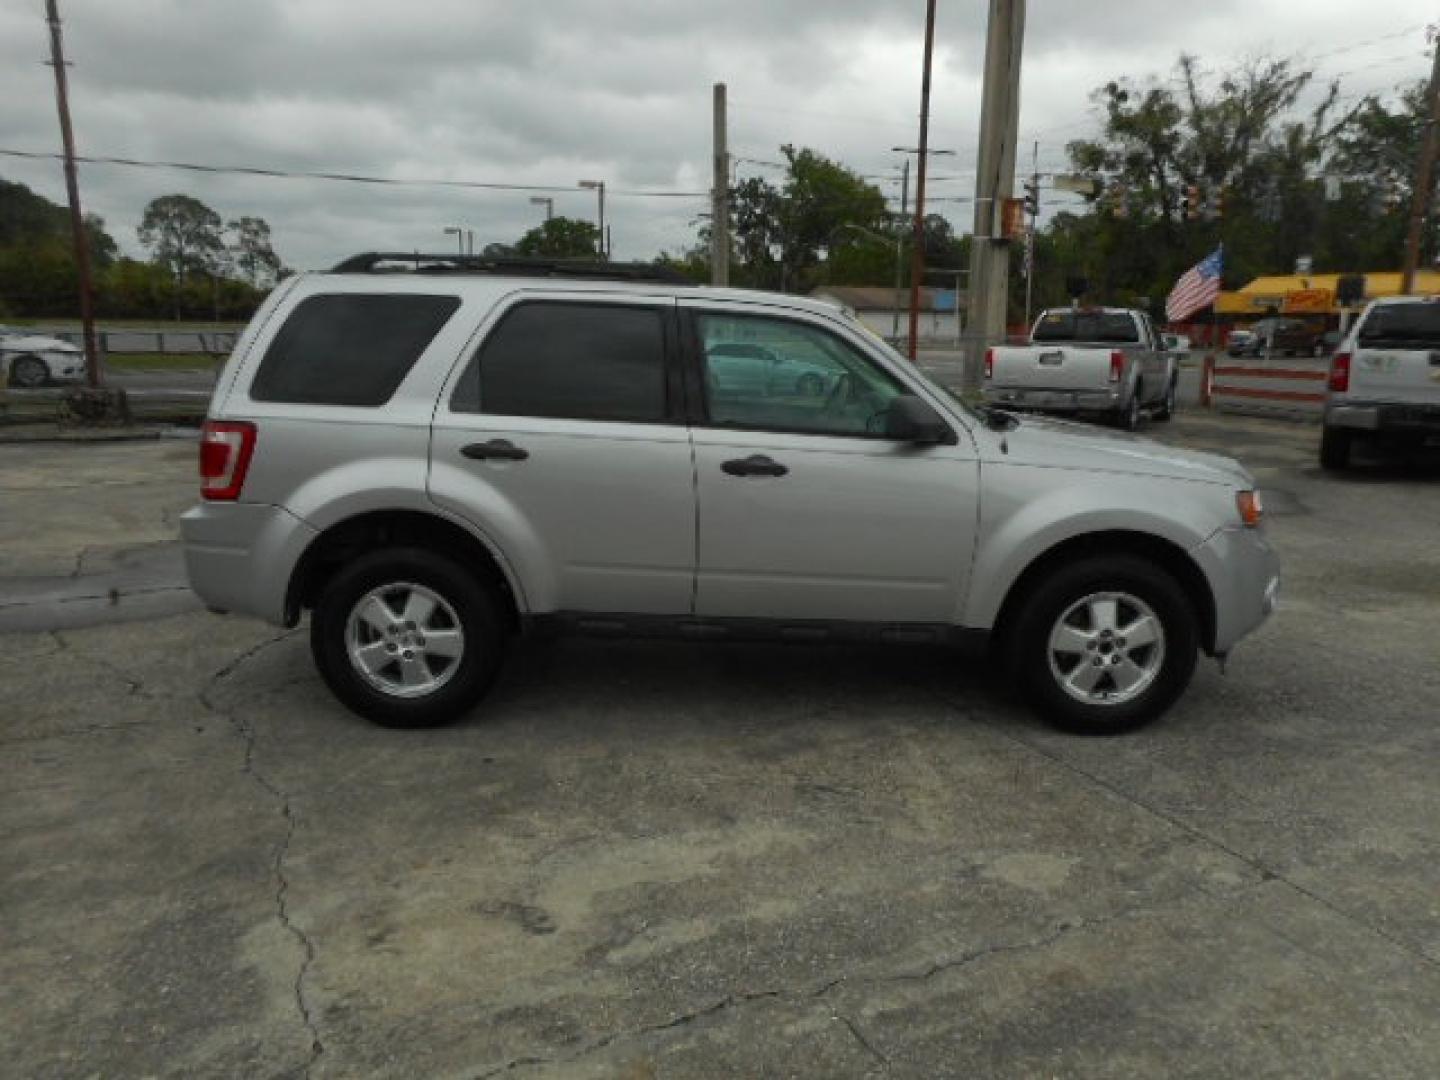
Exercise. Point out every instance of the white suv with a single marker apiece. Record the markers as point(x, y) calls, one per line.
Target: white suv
point(434, 461)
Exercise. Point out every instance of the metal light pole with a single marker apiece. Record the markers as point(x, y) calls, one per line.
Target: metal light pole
point(72, 189)
point(545, 201)
point(459, 234)
point(598, 186)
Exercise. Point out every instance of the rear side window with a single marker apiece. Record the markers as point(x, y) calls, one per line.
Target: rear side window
point(349, 348)
point(570, 361)
point(1106, 326)
point(1400, 325)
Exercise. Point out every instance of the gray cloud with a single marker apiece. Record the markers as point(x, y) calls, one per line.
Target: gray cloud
point(558, 90)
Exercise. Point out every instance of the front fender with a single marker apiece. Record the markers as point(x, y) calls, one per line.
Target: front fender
point(1026, 511)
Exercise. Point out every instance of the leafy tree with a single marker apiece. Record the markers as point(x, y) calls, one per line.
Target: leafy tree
point(560, 238)
point(781, 234)
point(252, 251)
point(184, 235)
point(26, 218)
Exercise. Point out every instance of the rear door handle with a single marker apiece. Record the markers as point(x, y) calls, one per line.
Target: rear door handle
point(495, 450)
point(754, 465)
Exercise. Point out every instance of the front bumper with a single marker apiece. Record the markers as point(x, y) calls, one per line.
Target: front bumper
point(240, 556)
point(1397, 417)
point(1244, 573)
point(1055, 400)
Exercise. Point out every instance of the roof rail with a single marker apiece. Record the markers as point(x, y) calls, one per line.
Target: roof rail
point(379, 262)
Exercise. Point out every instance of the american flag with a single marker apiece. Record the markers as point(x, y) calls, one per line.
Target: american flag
point(1197, 288)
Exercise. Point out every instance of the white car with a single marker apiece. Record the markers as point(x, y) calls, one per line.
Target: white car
point(33, 360)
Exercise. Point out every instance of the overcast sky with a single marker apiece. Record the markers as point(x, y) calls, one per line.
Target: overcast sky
point(549, 92)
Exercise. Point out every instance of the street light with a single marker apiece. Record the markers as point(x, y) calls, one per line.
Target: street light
point(545, 201)
point(598, 186)
point(459, 235)
point(899, 239)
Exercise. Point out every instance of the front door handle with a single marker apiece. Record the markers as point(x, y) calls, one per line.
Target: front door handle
point(495, 450)
point(754, 465)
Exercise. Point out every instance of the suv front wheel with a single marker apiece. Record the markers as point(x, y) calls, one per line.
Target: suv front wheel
point(1105, 644)
point(407, 638)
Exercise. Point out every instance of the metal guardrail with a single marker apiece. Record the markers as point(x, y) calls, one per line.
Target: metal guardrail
point(145, 340)
point(50, 405)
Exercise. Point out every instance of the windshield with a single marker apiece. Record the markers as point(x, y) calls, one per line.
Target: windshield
point(1403, 324)
point(1087, 326)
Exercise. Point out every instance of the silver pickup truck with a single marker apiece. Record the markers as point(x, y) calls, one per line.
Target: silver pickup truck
point(1100, 361)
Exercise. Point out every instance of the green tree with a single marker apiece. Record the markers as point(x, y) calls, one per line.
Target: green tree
point(782, 234)
point(251, 250)
point(560, 238)
point(184, 235)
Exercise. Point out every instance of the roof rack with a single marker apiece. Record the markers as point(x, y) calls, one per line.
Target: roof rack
point(380, 262)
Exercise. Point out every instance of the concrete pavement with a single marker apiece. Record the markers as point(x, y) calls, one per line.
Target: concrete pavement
point(666, 859)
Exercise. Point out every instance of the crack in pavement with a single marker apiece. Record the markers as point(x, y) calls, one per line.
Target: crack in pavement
point(1267, 873)
point(137, 686)
point(247, 733)
point(863, 1041)
point(801, 994)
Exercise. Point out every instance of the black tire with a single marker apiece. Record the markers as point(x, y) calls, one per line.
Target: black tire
point(1335, 446)
point(1167, 407)
point(1127, 418)
point(29, 372)
point(1048, 602)
point(476, 603)
point(810, 385)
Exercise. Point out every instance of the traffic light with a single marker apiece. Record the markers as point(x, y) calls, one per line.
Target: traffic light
point(1032, 197)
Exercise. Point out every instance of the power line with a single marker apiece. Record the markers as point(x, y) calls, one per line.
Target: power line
point(285, 174)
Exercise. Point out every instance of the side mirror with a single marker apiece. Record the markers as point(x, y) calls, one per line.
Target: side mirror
point(910, 419)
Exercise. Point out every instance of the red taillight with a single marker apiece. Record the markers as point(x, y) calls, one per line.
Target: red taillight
point(225, 449)
point(1340, 372)
point(1117, 366)
point(989, 363)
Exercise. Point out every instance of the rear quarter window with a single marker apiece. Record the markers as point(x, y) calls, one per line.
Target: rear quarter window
point(349, 348)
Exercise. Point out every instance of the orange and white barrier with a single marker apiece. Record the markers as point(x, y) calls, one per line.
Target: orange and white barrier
point(1264, 387)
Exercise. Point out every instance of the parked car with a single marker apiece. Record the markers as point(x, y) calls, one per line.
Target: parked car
point(432, 463)
point(742, 366)
point(1109, 362)
point(34, 360)
point(1277, 335)
point(1384, 385)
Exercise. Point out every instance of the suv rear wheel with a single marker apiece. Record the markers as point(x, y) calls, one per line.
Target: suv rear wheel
point(406, 638)
point(1106, 644)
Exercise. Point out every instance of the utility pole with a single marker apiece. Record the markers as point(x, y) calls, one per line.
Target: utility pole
point(994, 182)
point(72, 188)
point(899, 261)
point(917, 253)
point(598, 186)
point(1032, 204)
point(1424, 172)
point(720, 195)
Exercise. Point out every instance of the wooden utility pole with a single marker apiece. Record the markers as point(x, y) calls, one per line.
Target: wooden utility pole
point(72, 188)
point(994, 183)
point(1424, 172)
point(720, 196)
point(917, 253)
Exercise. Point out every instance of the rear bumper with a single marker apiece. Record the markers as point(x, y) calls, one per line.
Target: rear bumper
point(1244, 573)
point(1057, 400)
point(1384, 417)
point(240, 556)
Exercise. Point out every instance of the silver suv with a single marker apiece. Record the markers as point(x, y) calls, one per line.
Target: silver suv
point(435, 461)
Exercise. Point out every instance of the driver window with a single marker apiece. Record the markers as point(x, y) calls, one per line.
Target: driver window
point(777, 375)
